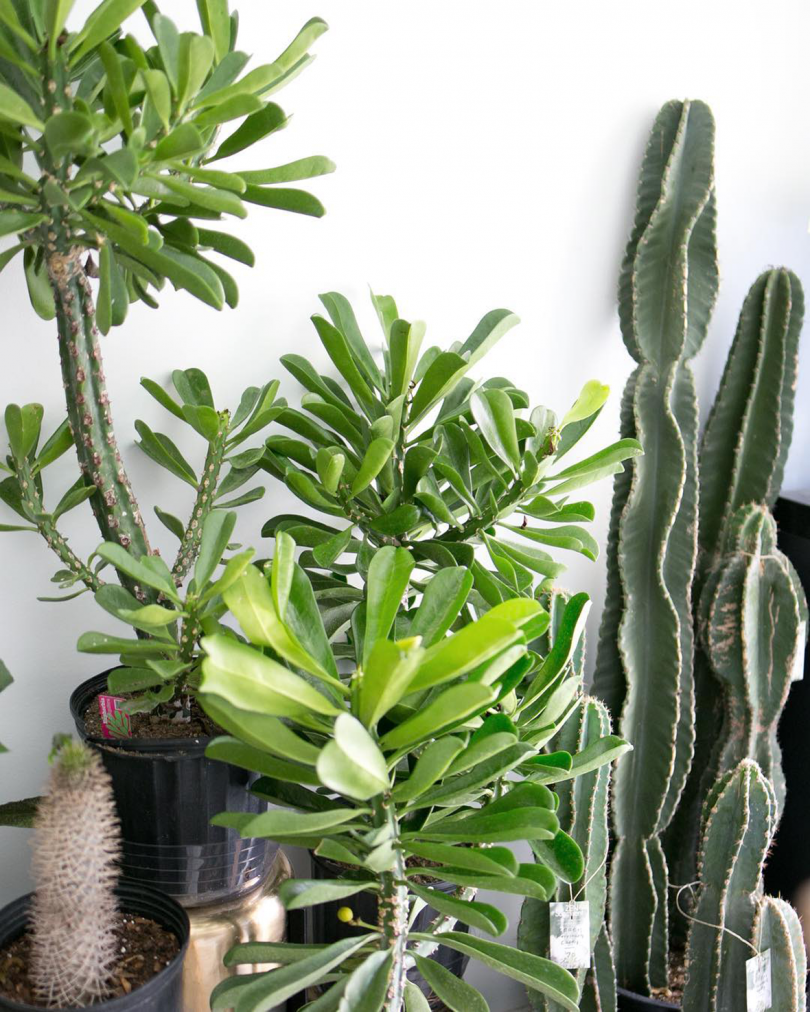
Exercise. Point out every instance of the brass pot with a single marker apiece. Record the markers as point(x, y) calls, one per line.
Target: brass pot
point(257, 917)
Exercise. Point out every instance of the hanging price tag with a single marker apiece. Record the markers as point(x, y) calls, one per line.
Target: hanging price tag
point(758, 982)
point(570, 925)
point(114, 722)
point(797, 674)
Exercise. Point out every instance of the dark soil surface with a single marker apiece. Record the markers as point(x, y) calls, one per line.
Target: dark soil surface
point(156, 724)
point(147, 948)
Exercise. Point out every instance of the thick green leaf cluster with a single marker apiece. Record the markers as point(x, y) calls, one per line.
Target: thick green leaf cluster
point(415, 452)
point(431, 749)
point(128, 147)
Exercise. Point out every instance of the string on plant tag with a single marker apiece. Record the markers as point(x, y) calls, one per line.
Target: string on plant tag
point(708, 924)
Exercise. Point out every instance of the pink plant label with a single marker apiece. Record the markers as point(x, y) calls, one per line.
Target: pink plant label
point(114, 722)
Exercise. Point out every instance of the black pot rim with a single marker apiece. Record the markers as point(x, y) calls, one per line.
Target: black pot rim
point(169, 748)
point(155, 904)
point(646, 1002)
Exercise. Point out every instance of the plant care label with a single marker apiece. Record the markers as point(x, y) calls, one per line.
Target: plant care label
point(570, 934)
point(797, 674)
point(758, 982)
point(114, 722)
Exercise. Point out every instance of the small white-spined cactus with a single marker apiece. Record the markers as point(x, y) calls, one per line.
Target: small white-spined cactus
point(76, 849)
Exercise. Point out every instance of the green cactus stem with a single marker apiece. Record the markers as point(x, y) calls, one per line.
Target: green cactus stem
point(667, 291)
point(777, 928)
point(204, 502)
point(739, 822)
point(751, 615)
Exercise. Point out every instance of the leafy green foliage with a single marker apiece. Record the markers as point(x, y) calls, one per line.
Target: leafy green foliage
point(415, 454)
point(123, 136)
point(426, 749)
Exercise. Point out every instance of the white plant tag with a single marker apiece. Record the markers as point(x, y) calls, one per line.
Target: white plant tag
point(758, 982)
point(570, 934)
point(797, 674)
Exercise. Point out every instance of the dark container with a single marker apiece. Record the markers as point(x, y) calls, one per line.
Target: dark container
point(630, 1002)
point(788, 866)
point(167, 792)
point(323, 924)
point(164, 992)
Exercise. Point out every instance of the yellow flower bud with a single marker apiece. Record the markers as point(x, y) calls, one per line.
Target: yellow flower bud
point(345, 914)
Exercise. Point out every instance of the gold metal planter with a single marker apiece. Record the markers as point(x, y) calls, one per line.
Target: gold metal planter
point(259, 916)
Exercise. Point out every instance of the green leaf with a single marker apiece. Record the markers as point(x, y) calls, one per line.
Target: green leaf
point(58, 11)
point(330, 467)
point(36, 277)
point(448, 709)
point(591, 398)
point(283, 953)
point(101, 643)
point(457, 995)
point(401, 520)
point(352, 763)
point(613, 454)
point(441, 376)
point(301, 168)
point(184, 140)
point(159, 91)
point(154, 573)
point(74, 497)
point(478, 915)
point(265, 121)
point(16, 109)
point(534, 972)
point(268, 734)
point(570, 537)
point(250, 681)
point(216, 535)
point(563, 856)
point(20, 814)
point(19, 221)
point(279, 822)
point(115, 84)
point(385, 678)
point(216, 24)
point(495, 417)
point(442, 601)
point(8, 255)
point(23, 425)
point(220, 201)
point(430, 767)
point(367, 987)
point(164, 452)
point(298, 893)
point(104, 20)
point(252, 758)
point(387, 580)
point(330, 551)
point(466, 650)
point(374, 460)
point(566, 639)
point(123, 680)
point(487, 860)
point(525, 823)
point(297, 201)
point(266, 990)
point(227, 245)
point(250, 599)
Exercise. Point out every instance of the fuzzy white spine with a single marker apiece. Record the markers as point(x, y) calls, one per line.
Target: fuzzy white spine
point(76, 849)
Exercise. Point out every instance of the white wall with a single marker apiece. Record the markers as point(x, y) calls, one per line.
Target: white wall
point(487, 156)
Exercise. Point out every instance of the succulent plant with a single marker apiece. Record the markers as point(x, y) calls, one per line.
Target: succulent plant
point(665, 563)
point(127, 148)
point(733, 920)
point(74, 912)
point(416, 453)
point(429, 747)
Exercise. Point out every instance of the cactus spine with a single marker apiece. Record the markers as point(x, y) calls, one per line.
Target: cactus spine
point(583, 814)
point(667, 291)
point(732, 916)
point(74, 911)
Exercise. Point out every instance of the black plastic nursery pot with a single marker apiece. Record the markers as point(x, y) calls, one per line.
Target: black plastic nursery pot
point(323, 925)
point(788, 866)
point(163, 993)
point(167, 792)
point(628, 1001)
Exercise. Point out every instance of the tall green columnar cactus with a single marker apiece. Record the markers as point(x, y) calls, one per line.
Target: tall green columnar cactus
point(583, 813)
point(751, 621)
point(667, 291)
point(742, 459)
point(732, 919)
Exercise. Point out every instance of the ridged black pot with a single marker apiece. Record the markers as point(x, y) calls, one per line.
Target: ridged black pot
point(789, 862)
point(167, 792)
point(630, 1002)
point(163, 993)
point(323, 925)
